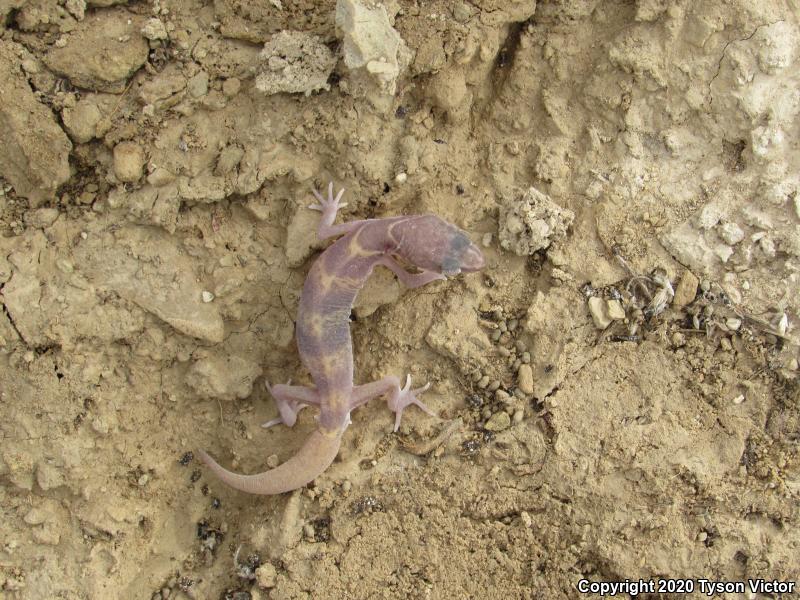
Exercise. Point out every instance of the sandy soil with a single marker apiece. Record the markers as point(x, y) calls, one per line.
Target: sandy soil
point(618, 388)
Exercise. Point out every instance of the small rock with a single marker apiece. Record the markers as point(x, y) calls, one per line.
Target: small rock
point(160, 177)
point(128, 161)
point(81, 120)
point(207, 296)
point(231, 86)
point(266, 576)
point(733, 323)
point(723, 252)
point(48, 477)
point(614, 310)
point(686, 290)
point(41, 217)
point(197, 86)
point(499, 421)
point(739, 399)
point(154, 29)
point(731, 233)
point(94, 57)
point(597, 308)
point(525, 379)
point(295, 62)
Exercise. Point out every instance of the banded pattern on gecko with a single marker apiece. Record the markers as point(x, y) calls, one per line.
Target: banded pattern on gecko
point(432, 245)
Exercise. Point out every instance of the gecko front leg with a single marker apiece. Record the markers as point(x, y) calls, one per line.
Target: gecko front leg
point(329, 207)
point(410, 280)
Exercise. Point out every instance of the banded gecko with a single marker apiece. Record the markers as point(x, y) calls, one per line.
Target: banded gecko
point(435, 247)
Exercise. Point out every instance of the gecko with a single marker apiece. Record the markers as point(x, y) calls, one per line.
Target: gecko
point(435, 247)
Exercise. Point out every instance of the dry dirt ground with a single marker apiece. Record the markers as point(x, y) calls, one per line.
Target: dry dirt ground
point(618, 388)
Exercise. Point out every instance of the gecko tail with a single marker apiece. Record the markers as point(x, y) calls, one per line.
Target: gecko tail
point(313, 458)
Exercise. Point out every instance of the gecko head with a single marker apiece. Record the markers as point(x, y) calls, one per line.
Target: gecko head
point(431, 243)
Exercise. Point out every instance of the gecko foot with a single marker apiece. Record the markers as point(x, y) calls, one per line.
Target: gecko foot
point(328, 206)
point(290, 400)
point(402, 397)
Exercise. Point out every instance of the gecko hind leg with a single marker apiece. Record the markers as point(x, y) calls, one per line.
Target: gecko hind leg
point(399, 398)
point(290, 400)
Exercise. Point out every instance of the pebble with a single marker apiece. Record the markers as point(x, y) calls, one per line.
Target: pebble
point(494, 386)
point(520, 346)
point(513, 324)
point(526, 357)
point(597, 308)
point(502, 396)
point(519, 415)
point(499, 421)
point(128, 161)
point(495, 337)
point(197, 86)
point(686, 289)
point(678, 339)
point(525, 379)
point(401, 178)
point(487, 240)
point(483, 382)
point(725, 344)
point(266, 576)
point(739, 399)
point(733, 323)
point(231, 86)
point(207, 296)
point(614, 310)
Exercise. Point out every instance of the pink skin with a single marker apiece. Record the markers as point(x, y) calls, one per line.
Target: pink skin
point(432, 245)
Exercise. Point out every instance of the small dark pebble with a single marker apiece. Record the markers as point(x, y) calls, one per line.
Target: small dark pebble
point(204, 490)
point(366, 504)
point(237, 595)
point(488, 436)
point(474, 401)
point(401, 112)
point(471, 447)
point(247, 569)
point(186, 458)
point(215, 503)
point(185, 583)
point(210, 536)
point(195, 476)
point(322, 529)
point(439, 141)
point(459, 189)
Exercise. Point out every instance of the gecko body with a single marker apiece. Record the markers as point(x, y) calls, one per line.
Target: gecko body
point(434, 246)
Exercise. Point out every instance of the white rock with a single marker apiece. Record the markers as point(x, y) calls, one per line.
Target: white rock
point(723, 252)
point(532, 222)
point(731, 233)
point(373, 50)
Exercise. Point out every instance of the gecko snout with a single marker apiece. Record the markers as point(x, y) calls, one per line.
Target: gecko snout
point(472, 259)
